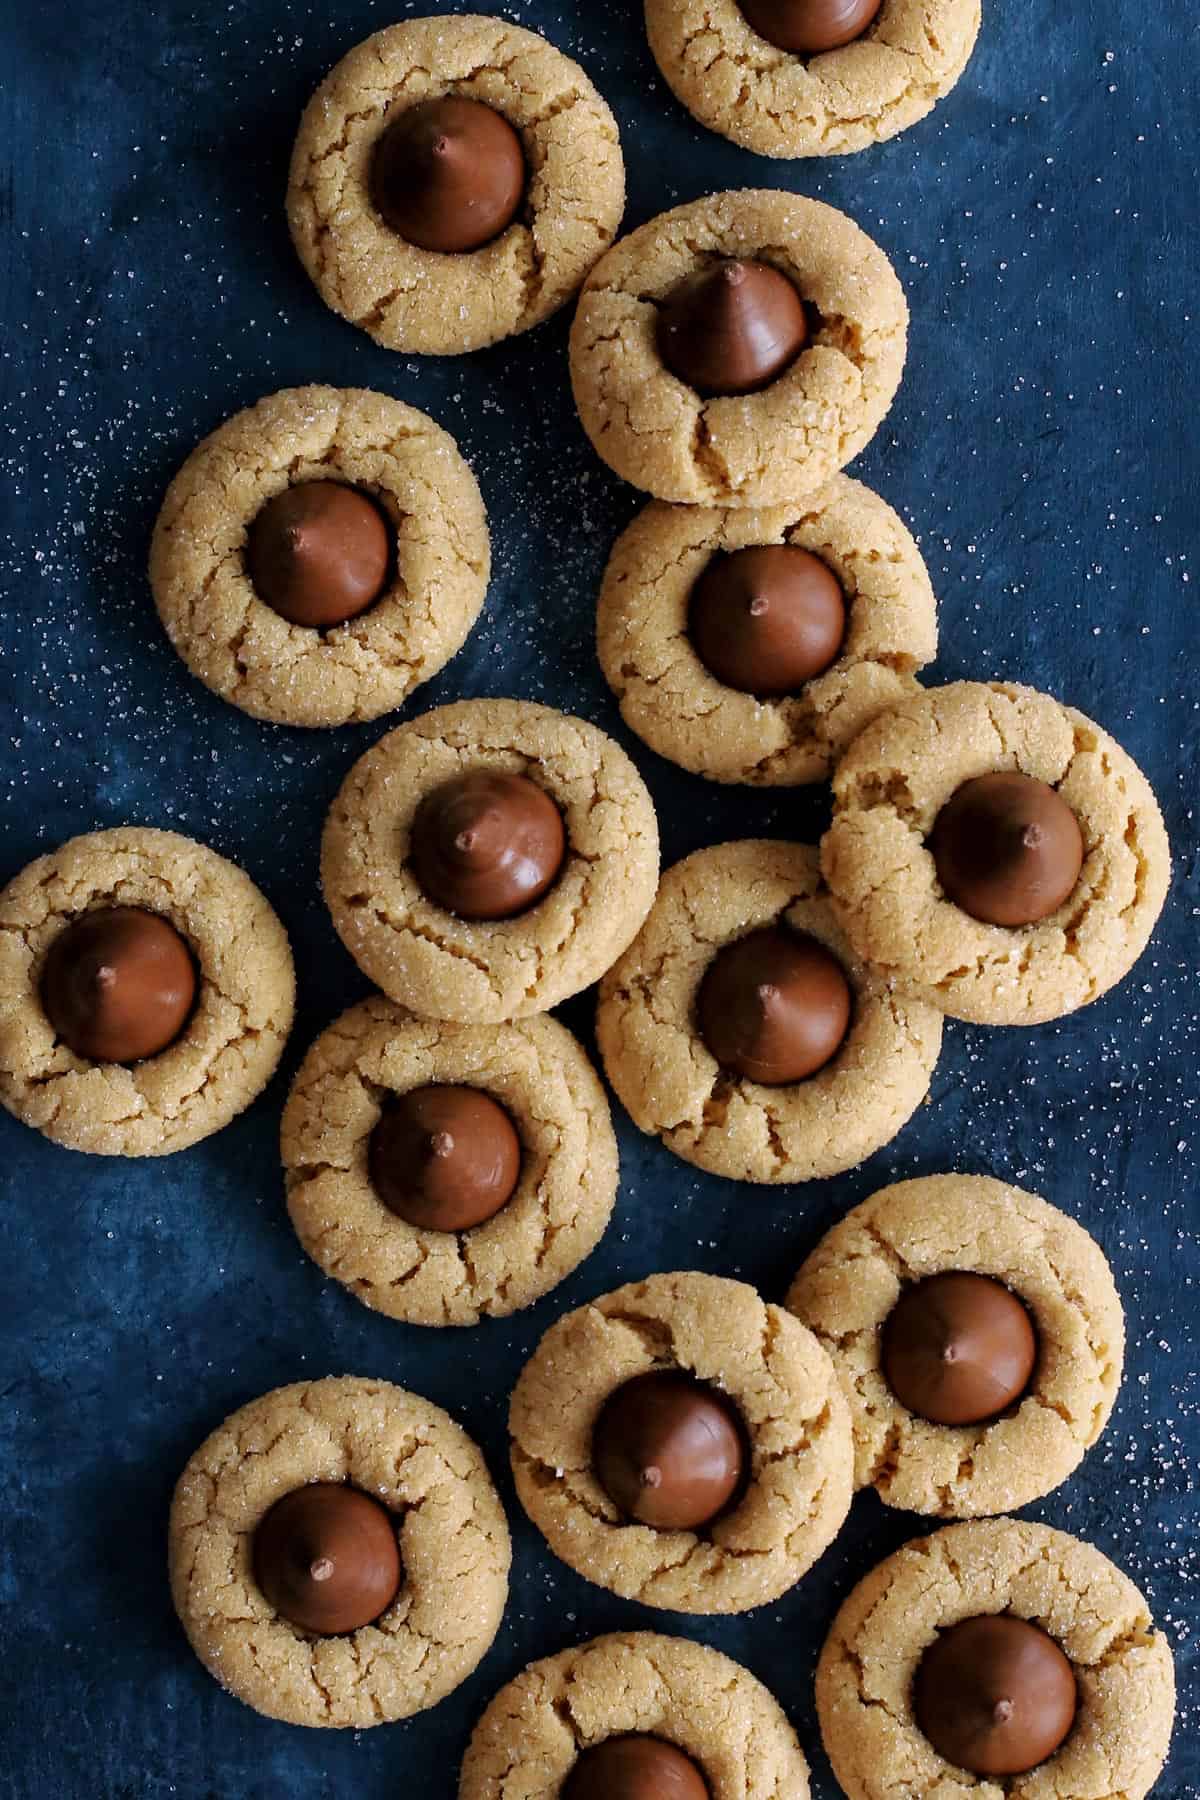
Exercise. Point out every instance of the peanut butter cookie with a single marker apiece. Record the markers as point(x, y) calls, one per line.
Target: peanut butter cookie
point(564, 1183)
point(722, 1349)
point(72, 1062)
point(771, 435)
point(393, 462)
point(910, 1240)
point(416, 290)
point(672, 1083)
point(813, 101)
point(887, 869)
point(449, 794)
point(1020, 1598)
point(657, 1697)
point(393, 1451)
point(689, 714)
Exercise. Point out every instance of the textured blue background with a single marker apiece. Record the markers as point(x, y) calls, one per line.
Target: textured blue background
point(1043, 450)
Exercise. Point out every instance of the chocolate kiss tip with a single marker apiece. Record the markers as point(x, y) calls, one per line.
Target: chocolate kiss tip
point(734, 273)
point(1002, 1712)
point(767, 991)
point(442, 1143)
point(105, 977)
point(1032, 836)
point(652, 1477)
point(758, 606)
point(465, 840)
point(322, 1569)
point(950, 1353)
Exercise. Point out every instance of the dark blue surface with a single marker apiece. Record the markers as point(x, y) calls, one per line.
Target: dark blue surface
point(1043, 450)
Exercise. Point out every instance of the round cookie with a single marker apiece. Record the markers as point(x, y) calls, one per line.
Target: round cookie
point(779, 103)
point(756, 449)
point(682, 710)
point(797, 1491)
point(634, 1683)
point(237, 1028)
point(424, 301)
point(906, 1233)
point(1123, 1667)
point(246, 651)
point(890, 787)
point(556, 1216)
point(671, 1084)
point(484, 972)
point(453, 1539)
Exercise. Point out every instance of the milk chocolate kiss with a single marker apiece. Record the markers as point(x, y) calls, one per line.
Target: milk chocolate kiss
point(668, 1451)
point(1008, 849)
point(958, 1349)
point(774, 1006)
point(767, 619)
point(487, 844)
point(995, 1695)
point(444, 1158)
point(318, 553)
point(635, 1768)
point(327, 1558)
point(118, 985)
point(733, 328)
point(808, 27)
point(449, 174)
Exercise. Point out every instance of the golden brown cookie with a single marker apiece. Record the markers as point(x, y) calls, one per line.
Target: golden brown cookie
point(634, 1682)
point(424, 301)
point(671, 1084)
point(483, 972)
point(758, 449)
point(245, 995)
point(556, 1217)
point(243, 649)
point(692, 718)
point(781, 104)
point(888, 790)
point(453, 1539)
point(792, 1407)
point(970, 1224)
point(1123, 1666)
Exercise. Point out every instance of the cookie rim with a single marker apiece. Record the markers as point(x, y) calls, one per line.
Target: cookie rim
point(377, 633)
point(139, 863)
point(590, 1177)
point(644, 1309)
point(876, 1007)
point(637, 623)
point(411, 329)
point(1006, 1217)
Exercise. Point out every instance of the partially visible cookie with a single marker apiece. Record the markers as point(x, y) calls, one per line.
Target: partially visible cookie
point(659, 1691)
point(433, 582)
point(477, 970)
point(566, 1180)
point(673, 1085)
point(777, 438)
point(230, 1036)
point(935, 1227)
point(1019, 1574)
point(814, 101)
point(407, 294)
point(393, 1448)
point(727, 1352)
point(693, 717)
point(890, 790)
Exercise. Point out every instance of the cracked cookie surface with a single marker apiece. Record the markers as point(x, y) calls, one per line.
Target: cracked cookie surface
point(791, 1403)
point(237, 1030)
point(673, 1087)
point(1123, 1665)
point(976, 1225)
point(453, 1537)
point(780, 104)
point(888, 790)
point(706, 1704)
point(556, 1217)
point(247, 652)
point(421, 301)
point(678, 707)
point(761, 449)
point(441, 966)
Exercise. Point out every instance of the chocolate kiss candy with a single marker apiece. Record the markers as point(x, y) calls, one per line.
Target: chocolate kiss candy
point(444, 1158)
point(326, 1557)
point(318, 553)
point(668, 1451)
point(995, 1695)
point(635, 1768)
point(774, 1007)
point(1008, 849)
point(807, 27)
point(449, 174)
point(487, 845)
point(767, 619)
point(118, 985)
point(958, 1349)
point(732, 328)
